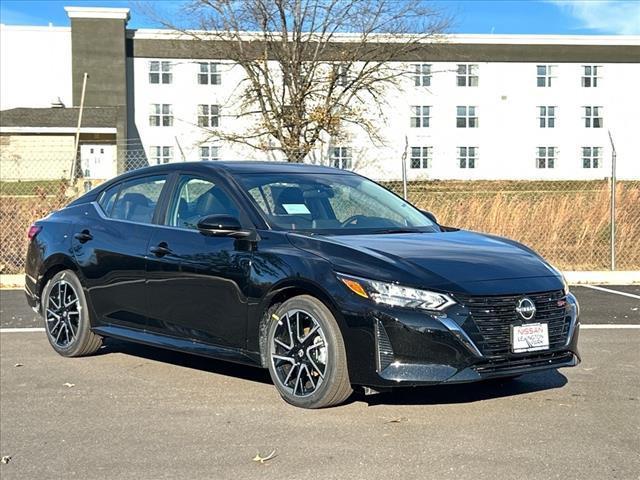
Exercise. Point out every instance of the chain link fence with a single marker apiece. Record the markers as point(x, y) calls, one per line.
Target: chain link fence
point(568, 222)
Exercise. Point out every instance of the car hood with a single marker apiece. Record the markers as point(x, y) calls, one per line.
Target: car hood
point(460, 260)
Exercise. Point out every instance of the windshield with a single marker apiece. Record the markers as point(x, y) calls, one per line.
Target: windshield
point(332, 204)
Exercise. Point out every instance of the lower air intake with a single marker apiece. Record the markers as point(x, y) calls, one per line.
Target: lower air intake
point(384, 350)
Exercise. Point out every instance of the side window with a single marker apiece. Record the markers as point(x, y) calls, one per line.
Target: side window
point(196, 198)
point(108, 198)
point(137, 199)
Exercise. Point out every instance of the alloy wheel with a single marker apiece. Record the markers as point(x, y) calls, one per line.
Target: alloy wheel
point(63, 314)
point(299, 353)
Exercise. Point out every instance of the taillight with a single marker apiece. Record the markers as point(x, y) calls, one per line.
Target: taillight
point(33, 231)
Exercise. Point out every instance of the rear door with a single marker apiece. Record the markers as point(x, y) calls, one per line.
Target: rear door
point(198, 283)
point(110, 245)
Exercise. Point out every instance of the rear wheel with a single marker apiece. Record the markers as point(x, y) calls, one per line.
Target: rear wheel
point(66, 317)
point(307, 358)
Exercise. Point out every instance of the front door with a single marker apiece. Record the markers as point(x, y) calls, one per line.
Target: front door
point(197, 283)
point(97, 161)
point(111, 244)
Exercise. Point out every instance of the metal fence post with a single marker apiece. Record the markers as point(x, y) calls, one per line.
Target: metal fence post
point(404, 168)
point(613, 202)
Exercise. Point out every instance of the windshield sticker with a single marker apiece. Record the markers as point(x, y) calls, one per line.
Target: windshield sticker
point(295, 208)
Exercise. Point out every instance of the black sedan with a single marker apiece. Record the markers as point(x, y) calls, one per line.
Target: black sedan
point(322, 276)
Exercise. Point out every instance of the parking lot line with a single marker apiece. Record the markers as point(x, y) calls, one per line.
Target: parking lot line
point(21, 330)
point(597, 326)
point(608, 290)
point(605, 326)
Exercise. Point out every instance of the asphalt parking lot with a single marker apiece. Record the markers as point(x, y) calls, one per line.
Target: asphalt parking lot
point(138, 412)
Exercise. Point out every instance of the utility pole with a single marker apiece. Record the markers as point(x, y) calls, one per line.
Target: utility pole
point(613, 202)
point(72, 175)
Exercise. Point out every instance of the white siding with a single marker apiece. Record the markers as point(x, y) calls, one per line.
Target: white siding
point(506, 98)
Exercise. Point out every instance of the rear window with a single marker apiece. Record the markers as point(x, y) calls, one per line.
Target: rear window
point(135, 200)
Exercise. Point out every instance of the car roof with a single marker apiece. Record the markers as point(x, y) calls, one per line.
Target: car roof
point(237, 167)
point(231, 168)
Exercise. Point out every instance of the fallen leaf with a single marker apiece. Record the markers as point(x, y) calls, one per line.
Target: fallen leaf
point(19, 365)
point(6, 459)
point(397, 420)
point(69, 385)
point(261, 459)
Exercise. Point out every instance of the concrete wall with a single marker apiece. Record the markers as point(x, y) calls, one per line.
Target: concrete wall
point(36, 66)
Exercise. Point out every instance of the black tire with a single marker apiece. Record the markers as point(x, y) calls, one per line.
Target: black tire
point(334, 387)
point(84, 342)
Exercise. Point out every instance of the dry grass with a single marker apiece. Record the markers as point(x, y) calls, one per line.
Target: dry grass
point(17, 213)
point(567, 222)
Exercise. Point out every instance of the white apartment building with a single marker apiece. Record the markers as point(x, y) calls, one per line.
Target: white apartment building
point(499, 107)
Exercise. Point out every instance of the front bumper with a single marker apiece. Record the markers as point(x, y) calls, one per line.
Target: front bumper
point(416, 348)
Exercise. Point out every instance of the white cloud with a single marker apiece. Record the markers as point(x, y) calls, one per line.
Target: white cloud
point(605, 16)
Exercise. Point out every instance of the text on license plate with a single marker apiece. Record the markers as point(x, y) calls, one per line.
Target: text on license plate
point(529, 337)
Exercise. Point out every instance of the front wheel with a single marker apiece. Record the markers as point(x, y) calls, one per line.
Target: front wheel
point(66, 317)
point(307, 358)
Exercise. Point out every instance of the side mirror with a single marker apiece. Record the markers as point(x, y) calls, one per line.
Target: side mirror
point(222, 226)
point(430, 216)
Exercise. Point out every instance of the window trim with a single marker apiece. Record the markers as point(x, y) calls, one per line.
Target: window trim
point(546, 157)
point(419, 76)
point(467, 76)
point(420, 117)
point(422, 158)
point(548, 76)
point(245, 219)
point(159, 204)
point(468, 117)
point(340, 158)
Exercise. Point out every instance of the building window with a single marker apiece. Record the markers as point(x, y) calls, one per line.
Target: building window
point(593, 117)
point(160, 72)
point(467, 157)
point(421, 157)
point(591, 157)
point(422, 74)
point(208, 115)
point(466, 117)
point(341, 157)
point(545, 75)
point(209, 153)
point(420, 116)
point(209, 74)
point(547, 116)
point(467, 75)
point(590, 76)
point(161, 115)
point(546, 157)
point(162, 154)
point(343, 75)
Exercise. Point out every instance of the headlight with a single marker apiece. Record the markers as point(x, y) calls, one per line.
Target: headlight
point(396, 295)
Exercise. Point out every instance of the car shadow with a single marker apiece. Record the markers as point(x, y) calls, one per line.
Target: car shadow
point(466, 392)
point(186, 360)
point(432, 395)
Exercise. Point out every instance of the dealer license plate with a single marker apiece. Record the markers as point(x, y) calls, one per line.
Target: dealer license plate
point(530, 337)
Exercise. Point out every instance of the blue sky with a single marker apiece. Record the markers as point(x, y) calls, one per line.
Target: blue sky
point(471, 16)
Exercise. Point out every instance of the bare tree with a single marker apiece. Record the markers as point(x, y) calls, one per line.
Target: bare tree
point(312, 67)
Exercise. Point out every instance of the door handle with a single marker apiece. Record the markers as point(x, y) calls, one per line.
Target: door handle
point(161, 250)
point(83, 236)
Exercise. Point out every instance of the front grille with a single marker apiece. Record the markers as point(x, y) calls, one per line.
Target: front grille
point(493, 316)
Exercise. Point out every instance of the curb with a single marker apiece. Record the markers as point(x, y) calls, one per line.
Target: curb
point(12, 281)
point(599, 277)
